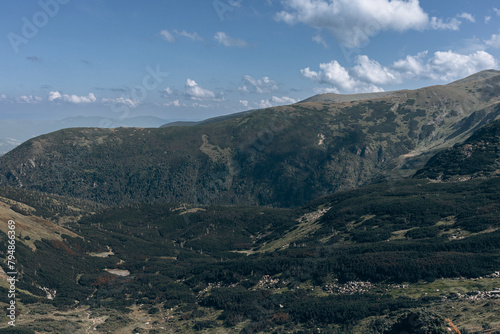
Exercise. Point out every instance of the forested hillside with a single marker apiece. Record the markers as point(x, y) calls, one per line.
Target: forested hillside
point(283, 157)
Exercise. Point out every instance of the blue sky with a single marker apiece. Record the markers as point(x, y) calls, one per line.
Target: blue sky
point(195, 59)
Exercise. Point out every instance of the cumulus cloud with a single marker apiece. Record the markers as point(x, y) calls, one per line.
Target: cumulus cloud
point(451, 24)
point(55, 95)
point(338, 78)
point(275, 101)
point(199, 105)
point(121, 100)
point(467, 16)
point(195, 92)
point(174, 103)
point(169, 91)
point(494, 41)
point(263, 85)
point(444, 65)
point(264, 104)
point(368, 70)
point(192, 91)
point(283, 100)
point(411, 66)
point(368, 75)
point(497, 11)
point(244, 103)
point(353, 22)
point(449, 65)
point(167, 35)
point(224, 39)
point(29, 99)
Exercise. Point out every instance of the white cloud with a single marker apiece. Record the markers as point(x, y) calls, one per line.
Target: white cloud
point(275, 101)
point(121, 100)
point(449, 65)
point(55, 95)
point(494, 41)
point(444, 65)
point(339, 78)
point(451, 24)
point(28, 99)
point(226, 40)
point(168, 91)
point(353, 22)
point(199, 105)
point(175, 103)
point(487, 19)
point(497, 11)
point(191, 35)
point(368, 75)
point(192, 91)
point(264, 104)
point(244, 103)
point(467, 16)
point(167, 35)
point(411, 66)
point(195, 92)
point(371, 71)
point(283, 100)
point(319, 39)
point(263, 85)
point(3, 97)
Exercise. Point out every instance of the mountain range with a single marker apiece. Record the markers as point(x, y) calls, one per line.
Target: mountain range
point(371, 213)
point(283, 156)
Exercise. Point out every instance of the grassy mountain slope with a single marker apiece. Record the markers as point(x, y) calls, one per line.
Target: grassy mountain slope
point(283, 156)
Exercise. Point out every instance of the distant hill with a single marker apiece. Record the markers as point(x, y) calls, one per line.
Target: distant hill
point(14, 132)
point(209, 120)
point(282, 156)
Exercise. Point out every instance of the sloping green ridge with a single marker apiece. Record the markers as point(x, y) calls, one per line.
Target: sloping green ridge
point(282, 157)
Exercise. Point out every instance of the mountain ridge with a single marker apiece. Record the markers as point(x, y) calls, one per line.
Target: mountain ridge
point(13, 132)
point(401, 254)
point(281, 156)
